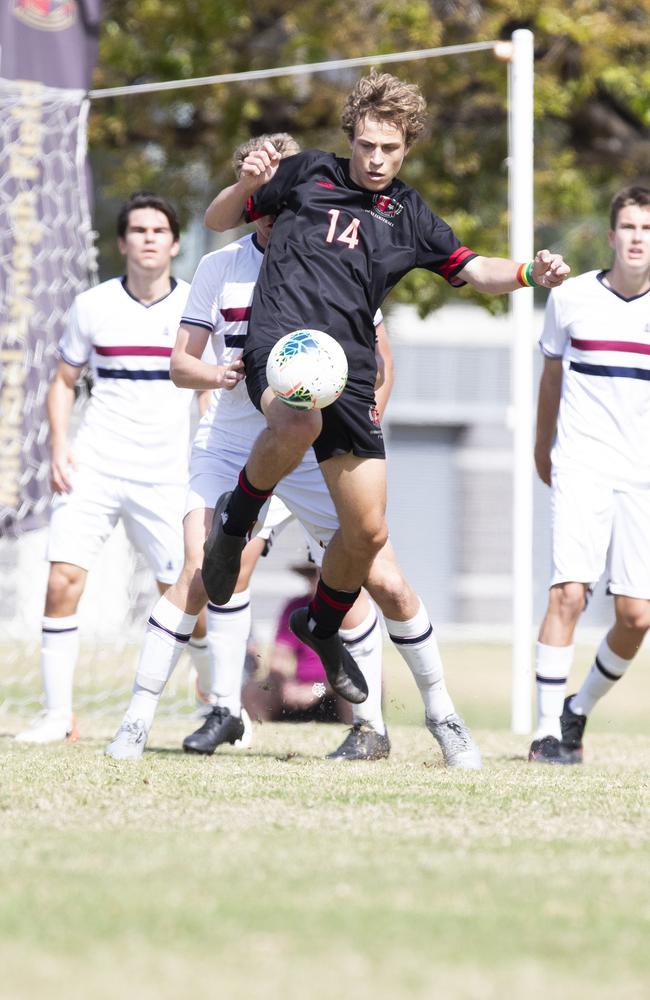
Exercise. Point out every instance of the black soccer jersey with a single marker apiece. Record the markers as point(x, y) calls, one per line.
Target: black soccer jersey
point(336, 250)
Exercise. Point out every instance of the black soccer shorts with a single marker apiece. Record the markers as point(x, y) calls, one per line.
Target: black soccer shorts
point(350, 424)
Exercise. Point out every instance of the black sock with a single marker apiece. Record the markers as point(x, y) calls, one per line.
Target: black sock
point(245, 504)
point(328, 608)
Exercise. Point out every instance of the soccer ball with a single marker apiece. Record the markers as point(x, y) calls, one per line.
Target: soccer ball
point(307, 369)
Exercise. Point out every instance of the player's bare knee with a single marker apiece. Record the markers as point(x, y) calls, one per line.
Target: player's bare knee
point(302, 427)
point(379, 537)
point(64, 588)
point(567, 601)
point(392, 592)
point(366, 540)
point(634, 618)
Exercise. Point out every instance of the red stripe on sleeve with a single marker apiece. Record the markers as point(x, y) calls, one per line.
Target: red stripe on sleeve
point(455, 262)
point(251, 214)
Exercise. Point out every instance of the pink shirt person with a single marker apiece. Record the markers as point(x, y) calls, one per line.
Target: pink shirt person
point(309, 669)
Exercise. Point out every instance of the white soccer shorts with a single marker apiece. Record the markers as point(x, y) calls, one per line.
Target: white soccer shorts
point(152, 515)
point(598, 529)
point(303, 492)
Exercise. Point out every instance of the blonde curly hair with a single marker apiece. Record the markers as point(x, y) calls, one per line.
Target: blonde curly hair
point(387, 99)
point(285, 144)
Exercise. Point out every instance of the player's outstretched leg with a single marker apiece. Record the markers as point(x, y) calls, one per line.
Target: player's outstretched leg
point(552, 668)
point(226, 722)
point(606, 671)
point(168, 634)
point(573, 727)
point(367, 739)
point(340, 667)
point(410, 630)
point(221, 557)
point(415, 640)
point(59, 655)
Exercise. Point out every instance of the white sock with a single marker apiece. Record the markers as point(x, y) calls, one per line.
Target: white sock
point(606, 669)
point(365, 643)
point(552, 668)
point(59, 655)
point(199, 653)
point(168, 633)
point(415, 641)
point(229, 626)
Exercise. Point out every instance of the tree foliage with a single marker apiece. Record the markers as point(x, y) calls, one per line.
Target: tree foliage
point(592, 105)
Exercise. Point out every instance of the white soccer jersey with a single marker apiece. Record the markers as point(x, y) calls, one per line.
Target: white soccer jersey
point(220, 301)
point(604, 417)
point(136, 425)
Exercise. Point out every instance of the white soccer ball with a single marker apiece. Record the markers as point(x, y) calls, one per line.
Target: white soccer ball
point(307, 369)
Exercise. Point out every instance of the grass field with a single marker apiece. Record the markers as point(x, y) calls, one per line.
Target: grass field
point(272, 873)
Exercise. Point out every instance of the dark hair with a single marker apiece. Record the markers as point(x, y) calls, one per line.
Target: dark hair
point(146, 199)
point(636, 194)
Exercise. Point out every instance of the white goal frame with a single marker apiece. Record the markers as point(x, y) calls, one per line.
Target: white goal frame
point(518, 53)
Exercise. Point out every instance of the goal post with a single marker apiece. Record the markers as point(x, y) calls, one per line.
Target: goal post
point(521, 200)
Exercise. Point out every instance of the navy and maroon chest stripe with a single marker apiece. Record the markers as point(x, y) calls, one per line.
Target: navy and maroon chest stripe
point(138, 351)
point(236, 314)
point(615, 347)
point(133, 351)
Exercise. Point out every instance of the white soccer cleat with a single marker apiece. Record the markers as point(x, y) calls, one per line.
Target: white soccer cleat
point(50, 726)
point(245, 740)
point(455, 741)
point(129, 741)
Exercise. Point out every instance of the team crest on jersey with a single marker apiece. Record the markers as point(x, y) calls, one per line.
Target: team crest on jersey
point(48, 15)
point(386, 206)
point(373, 413)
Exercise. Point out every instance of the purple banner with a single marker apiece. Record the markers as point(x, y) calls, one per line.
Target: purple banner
point(47, 55)
point(52, 41)
point(46, 258)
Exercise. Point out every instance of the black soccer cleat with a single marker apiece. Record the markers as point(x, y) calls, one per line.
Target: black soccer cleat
point(549, 750)
point(221, 557)
point(342, 671)
point(362, 743)
point(545, 751)
point(219, 727)
point(573, 727)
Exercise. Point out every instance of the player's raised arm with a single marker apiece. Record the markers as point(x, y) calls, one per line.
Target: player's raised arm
point(227, 209)
point(496, 275)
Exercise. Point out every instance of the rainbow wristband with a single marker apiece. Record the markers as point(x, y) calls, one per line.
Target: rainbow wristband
point(525, 275)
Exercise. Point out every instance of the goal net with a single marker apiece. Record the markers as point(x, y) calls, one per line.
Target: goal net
point(46, 257)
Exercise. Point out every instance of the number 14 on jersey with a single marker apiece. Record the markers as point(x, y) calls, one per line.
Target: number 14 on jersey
point(349, 234)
